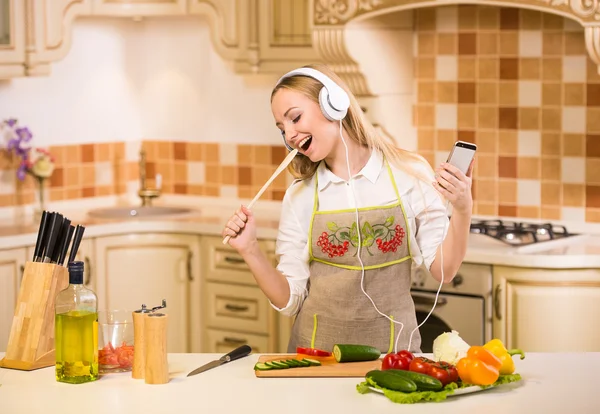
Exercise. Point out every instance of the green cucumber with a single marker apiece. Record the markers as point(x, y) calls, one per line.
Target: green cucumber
point(304, 363)
point(424, 382)
point(260, 366)
point(280, 364)
point(392, 381)
point(292, 363)
point(312, 362)
point(355, 353)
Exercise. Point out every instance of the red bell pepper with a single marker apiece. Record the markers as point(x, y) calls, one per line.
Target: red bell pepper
point(400, 360)
point(313, 352)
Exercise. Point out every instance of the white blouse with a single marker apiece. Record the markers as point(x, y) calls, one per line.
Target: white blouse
point(425, 211)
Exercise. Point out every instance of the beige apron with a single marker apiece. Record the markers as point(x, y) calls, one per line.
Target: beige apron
point(336, 311)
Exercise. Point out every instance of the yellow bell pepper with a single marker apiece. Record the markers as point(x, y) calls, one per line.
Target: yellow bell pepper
point(496, 347)
point(479, 367)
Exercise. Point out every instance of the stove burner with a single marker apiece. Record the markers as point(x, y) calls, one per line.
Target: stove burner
point(519, 233)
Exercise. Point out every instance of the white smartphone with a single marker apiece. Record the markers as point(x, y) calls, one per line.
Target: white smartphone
point(462, 155)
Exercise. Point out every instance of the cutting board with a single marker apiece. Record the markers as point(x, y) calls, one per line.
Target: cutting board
point(328, 369)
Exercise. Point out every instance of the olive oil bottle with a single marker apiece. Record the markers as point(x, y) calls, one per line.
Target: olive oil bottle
point(76, 330)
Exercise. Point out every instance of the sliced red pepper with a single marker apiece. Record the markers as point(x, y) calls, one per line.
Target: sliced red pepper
point(313, 352)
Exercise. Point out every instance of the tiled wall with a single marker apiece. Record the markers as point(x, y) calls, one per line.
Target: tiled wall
point(204, 169)
point(520, 85)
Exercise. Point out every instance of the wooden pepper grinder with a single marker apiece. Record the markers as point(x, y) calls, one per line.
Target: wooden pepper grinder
point(139, 353)
point(155, 332)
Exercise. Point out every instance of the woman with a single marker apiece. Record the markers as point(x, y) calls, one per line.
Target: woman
point(338, 292)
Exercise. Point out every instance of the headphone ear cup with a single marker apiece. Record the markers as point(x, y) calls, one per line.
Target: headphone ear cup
point(330, 112)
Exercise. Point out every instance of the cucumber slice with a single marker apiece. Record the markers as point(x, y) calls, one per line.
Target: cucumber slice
point(280, 364)
point(270, 364)
point(355, 353)
point(260, 366)
point(292, 363)
point(312, 362)
point(304, 363)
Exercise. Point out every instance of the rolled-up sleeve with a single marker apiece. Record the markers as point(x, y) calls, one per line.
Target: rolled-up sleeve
point(431, 220)
point(292, 254)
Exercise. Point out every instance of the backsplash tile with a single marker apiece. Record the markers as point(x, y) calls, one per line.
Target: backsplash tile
point(520, 84)
point(199, 169)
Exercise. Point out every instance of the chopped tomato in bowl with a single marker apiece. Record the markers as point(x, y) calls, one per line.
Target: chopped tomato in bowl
point(119, 359)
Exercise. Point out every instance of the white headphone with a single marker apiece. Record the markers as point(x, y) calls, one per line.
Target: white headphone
point(334, 100)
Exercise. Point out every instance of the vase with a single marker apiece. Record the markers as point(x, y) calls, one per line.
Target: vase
point(40, 204)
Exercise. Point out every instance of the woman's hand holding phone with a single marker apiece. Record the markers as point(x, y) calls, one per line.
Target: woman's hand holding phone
point(455, 186)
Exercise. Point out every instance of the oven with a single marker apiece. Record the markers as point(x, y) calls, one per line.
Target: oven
point(464, 305)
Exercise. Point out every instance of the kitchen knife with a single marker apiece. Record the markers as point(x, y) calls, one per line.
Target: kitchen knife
point(237, 353)
point(64, 229)
point(45, 236)
point(54, 230)
point(37, 253)
point(65, 246)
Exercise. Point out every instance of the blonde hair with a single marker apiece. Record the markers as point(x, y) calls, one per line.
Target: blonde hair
point(355, 124)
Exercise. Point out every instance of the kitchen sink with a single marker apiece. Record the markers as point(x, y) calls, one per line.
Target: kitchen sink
point(138, 212)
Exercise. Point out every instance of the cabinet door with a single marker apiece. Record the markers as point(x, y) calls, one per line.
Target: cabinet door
point(137, 269)
point(12, 38)
point(222, 342)
point(139, 7)
point(547, 310)
point(12, 264)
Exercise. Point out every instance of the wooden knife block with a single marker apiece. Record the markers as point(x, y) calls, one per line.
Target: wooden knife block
point(31, 340)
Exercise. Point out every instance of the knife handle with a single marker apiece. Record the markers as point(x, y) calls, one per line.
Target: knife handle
point(237, 353)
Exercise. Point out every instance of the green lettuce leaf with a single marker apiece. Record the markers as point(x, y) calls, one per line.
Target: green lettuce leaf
point(431, 396)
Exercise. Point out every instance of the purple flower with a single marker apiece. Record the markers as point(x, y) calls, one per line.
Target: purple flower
point(11, 122)
point(21, 171)
point(24, 134)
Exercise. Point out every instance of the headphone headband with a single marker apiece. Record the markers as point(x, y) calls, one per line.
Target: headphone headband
point(333, 99)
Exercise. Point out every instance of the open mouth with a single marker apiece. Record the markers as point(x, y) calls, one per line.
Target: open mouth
point(305, 143)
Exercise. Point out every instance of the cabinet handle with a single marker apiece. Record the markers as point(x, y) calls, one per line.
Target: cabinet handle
point(189, 266)
point(22, 267)
point(88, 265)
point(497, 302)
point(235, 341)
point(236, 308)
point(234, 260)
point(419, 299)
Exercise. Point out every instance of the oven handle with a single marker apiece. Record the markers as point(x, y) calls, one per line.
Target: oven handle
point(425, 299)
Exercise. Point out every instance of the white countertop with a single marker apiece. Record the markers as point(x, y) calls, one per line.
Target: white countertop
point(552, 383)
point(210, 215)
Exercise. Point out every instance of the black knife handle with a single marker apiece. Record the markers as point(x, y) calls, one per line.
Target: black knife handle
point(40, 237)
point(55, 226)
point(237, 353)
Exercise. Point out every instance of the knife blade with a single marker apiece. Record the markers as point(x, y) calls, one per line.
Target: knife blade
point(237, 353)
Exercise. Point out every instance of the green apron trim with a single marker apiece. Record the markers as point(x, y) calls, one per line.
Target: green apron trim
point(391, 348)
point(314, 334)
point(316, 211)
point(379, 266)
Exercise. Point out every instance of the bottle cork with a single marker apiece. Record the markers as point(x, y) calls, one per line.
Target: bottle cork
point(139, 353)
point(155, 332)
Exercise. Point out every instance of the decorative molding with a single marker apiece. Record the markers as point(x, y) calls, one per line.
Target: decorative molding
point(592, 43)
point(339, 12)
point(330, 45)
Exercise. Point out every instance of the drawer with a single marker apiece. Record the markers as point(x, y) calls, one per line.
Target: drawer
point(222, 263)
point(236, 307)
point(222, 342)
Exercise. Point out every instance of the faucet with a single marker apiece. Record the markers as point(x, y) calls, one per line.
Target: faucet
point(145, 193)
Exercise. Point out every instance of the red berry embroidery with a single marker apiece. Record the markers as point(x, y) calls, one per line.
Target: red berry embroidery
point(393, 243)
point(332, 250)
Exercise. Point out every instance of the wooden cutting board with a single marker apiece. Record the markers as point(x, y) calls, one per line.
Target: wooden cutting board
point(328, 369)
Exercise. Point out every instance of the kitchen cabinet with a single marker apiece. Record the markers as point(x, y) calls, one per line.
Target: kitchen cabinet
point(135, 269)
point(139, 8)
point(541, 310)
point(235, 311)
point(12, 265)
point(12, 38)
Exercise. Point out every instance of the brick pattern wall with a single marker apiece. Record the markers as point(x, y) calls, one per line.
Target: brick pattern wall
point(201, 169)
point(519, 84)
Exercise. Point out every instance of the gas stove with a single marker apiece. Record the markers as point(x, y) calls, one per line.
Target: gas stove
point(519, 233)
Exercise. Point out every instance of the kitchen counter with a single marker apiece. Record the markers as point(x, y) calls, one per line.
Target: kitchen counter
point(548, 387)
point(209, 216)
